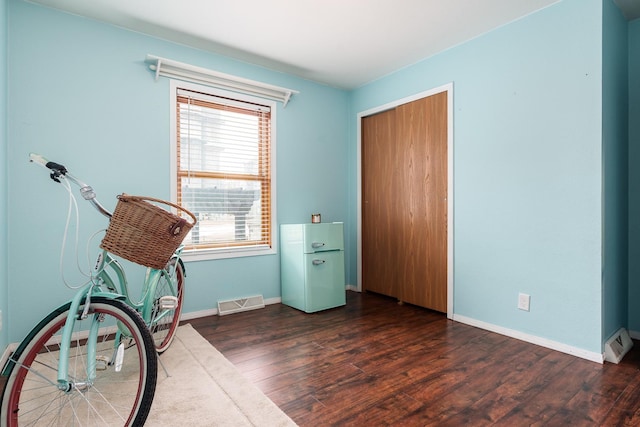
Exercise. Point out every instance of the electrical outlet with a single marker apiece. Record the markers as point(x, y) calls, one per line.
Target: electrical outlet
point(523, 301)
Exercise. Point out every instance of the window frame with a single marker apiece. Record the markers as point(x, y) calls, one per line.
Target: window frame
point(230, 251)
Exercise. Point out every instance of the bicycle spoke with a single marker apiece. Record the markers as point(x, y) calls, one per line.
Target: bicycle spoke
point(104, 397)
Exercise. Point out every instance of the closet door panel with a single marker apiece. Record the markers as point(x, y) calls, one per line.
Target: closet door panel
point(381, 204)
point(404, 202)
point(421, 128)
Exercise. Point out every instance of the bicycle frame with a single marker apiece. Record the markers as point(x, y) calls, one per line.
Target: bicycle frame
point(117, 289)
point(152, 277)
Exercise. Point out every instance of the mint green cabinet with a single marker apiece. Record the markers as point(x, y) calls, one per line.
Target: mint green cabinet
point(312, 266)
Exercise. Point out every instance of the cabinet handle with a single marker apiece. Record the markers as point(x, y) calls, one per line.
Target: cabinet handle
point(318, 261)
point(317, 245)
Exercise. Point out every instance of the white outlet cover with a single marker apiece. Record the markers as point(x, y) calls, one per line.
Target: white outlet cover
point(524, 301)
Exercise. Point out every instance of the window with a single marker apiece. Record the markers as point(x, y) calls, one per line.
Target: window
point(223, 170)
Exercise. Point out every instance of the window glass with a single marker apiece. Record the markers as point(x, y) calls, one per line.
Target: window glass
point(223, 170)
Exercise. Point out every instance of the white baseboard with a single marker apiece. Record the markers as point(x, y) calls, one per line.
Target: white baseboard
point(635, 335)
point(7, 352)
point(198, 314)
point(542, 342)
point(269, 301)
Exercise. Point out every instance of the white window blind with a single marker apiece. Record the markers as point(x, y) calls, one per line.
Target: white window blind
point(224, 170)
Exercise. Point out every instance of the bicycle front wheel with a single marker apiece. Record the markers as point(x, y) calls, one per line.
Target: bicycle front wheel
point(114, 387)
point(166, 302)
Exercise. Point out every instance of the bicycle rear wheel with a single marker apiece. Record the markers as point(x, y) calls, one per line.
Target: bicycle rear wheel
point(124, 385)
point(165, 314)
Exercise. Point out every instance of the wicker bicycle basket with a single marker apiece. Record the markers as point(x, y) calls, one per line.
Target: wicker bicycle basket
point(145, 233)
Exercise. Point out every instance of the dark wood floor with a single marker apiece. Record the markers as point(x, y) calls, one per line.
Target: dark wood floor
point(374, 362)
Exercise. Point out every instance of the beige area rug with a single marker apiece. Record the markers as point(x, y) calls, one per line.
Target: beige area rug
point(205, 389)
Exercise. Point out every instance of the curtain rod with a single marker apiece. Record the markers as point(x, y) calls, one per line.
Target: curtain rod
point(181, 71)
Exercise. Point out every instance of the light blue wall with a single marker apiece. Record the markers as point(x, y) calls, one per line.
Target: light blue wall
point(615, 142)
point(3, 175)
point(634, 176)
point(81, 94)
point(532, 155)
point(528, 169)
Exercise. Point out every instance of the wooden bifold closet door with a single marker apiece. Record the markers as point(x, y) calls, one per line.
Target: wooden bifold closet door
point(404, 202)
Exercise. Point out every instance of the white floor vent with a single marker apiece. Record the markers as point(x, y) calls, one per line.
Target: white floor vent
point(617, 346)
point(241, 304)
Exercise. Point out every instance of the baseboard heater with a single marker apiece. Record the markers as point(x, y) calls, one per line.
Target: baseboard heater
point(617, 346)
point(241, 304)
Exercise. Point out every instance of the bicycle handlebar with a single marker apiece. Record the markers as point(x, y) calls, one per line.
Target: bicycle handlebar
point(37, 158)
point(58, 170)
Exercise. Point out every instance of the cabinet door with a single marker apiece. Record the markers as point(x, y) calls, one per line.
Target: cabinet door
point(325, 280)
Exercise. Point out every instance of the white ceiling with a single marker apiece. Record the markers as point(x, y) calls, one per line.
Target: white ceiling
point(342, 43)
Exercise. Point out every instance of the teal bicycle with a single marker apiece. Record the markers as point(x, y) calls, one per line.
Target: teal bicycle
point(93, 361)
